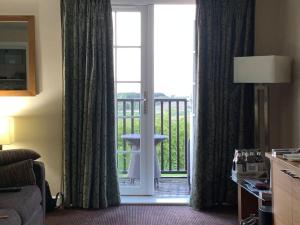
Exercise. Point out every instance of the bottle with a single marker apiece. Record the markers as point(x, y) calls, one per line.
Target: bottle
point(244, 157)
point(260, 161)
point(240, 163)
point(251, 162)
point(235, 160)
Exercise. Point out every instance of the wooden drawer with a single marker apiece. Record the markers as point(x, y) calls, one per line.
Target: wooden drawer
point(282, 195)
point(296, 201)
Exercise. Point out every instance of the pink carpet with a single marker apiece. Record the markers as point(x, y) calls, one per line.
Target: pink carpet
point(142, 215)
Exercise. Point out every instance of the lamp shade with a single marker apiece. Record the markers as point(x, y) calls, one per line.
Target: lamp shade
point(6, 130)
point(262, 69)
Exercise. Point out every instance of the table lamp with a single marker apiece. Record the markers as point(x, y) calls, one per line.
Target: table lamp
point(261, 71)
point(6, 131)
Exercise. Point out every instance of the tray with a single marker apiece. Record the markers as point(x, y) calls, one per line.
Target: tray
point(292, 157)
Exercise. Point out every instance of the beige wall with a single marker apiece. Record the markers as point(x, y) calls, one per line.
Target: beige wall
point(278, 32)
point(38, 119)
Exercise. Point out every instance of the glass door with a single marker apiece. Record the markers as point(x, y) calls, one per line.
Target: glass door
point(153, 52)
point(133, 114)
point(173, 79)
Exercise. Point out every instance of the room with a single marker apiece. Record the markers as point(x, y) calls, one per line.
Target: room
point(166, 84)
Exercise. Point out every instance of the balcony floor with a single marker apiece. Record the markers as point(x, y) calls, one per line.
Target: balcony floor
point(167, 186)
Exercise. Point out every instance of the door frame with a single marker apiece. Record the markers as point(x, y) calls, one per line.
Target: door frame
point(147, 168)
point(146, 186)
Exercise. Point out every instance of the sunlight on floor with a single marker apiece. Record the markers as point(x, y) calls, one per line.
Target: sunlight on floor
point(182, 200)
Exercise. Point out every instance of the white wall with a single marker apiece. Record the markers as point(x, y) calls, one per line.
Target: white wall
point(38, 119)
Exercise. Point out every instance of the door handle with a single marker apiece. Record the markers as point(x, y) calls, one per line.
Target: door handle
point(292, 175)
point(145, 101)
point(284, 171)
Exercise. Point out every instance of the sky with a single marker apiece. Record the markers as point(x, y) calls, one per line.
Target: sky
point(173, 49)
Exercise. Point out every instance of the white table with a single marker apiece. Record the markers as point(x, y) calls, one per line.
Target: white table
point(134, 167)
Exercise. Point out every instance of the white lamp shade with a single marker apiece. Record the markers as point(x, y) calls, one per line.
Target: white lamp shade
point(262, 69)
point(6, 130)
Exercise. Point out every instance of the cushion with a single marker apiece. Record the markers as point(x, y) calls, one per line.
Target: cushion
point(17, 174)
point(26, 202)
point(17, 155)
point(13, 217)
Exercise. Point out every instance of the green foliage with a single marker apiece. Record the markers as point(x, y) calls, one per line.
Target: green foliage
point(134, 95)
point(128, 95)
point(163, 150)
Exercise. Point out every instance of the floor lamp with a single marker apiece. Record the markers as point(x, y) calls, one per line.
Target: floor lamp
point(262, 71)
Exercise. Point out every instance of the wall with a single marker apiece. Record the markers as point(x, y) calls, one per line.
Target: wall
point(278, 32)
point(38, 120)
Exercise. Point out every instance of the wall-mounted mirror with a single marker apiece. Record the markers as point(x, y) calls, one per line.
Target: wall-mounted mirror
point(17, 56)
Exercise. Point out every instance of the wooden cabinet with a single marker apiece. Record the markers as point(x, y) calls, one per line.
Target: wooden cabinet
point(296, 201)
point(286, 191)
point(282, 196)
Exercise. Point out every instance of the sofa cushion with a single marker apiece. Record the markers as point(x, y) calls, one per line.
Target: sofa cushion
point(13, 217)
point(17, 155)
point(17, 174)
point(26, 202)
point(37, 218)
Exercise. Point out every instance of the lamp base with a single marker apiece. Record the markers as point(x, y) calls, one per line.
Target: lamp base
point(262, 117)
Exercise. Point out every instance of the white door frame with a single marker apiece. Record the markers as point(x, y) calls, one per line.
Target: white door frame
point(147, 128)
point(149, 133)
point(146, 186)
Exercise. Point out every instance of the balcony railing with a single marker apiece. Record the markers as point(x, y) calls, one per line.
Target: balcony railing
point(171, 120)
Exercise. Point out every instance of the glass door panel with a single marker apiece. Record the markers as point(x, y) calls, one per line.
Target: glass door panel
point(129, 64)
point(128, 28)
point(173, 65)
point(130, 86)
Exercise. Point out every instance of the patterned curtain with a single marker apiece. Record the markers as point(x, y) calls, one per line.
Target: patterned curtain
point(225, 111)
point(90, 160)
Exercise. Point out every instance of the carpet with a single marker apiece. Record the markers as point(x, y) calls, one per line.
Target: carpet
point(142, 215)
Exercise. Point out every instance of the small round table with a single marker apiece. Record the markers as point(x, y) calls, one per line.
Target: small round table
point(134, 167)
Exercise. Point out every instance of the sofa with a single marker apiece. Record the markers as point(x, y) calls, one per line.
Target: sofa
point(27, 206)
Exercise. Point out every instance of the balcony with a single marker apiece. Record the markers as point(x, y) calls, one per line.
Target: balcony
point(171, 120)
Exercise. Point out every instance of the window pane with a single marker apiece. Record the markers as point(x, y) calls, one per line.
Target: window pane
point(128, 106)
point(128, 28)
point(114, 26)
point(115, 75)
point(128, 90)
point(128, 64)
point(173, 49)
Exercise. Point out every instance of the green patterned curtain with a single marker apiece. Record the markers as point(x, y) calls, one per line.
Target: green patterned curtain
point(90, 160)
point(225, 111)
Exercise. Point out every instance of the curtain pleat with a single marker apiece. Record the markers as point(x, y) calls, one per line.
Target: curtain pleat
point(90, 178)
point(224, 110)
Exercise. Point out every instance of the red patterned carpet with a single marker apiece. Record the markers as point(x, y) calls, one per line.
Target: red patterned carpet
point(142, 215)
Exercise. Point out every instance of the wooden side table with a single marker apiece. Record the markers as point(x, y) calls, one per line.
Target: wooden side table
point(249, 201)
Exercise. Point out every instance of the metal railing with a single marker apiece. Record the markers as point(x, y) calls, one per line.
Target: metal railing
point(171, 119)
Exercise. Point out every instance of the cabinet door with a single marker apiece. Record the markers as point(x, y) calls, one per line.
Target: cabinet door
point(296, 201)
point(282, 200)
